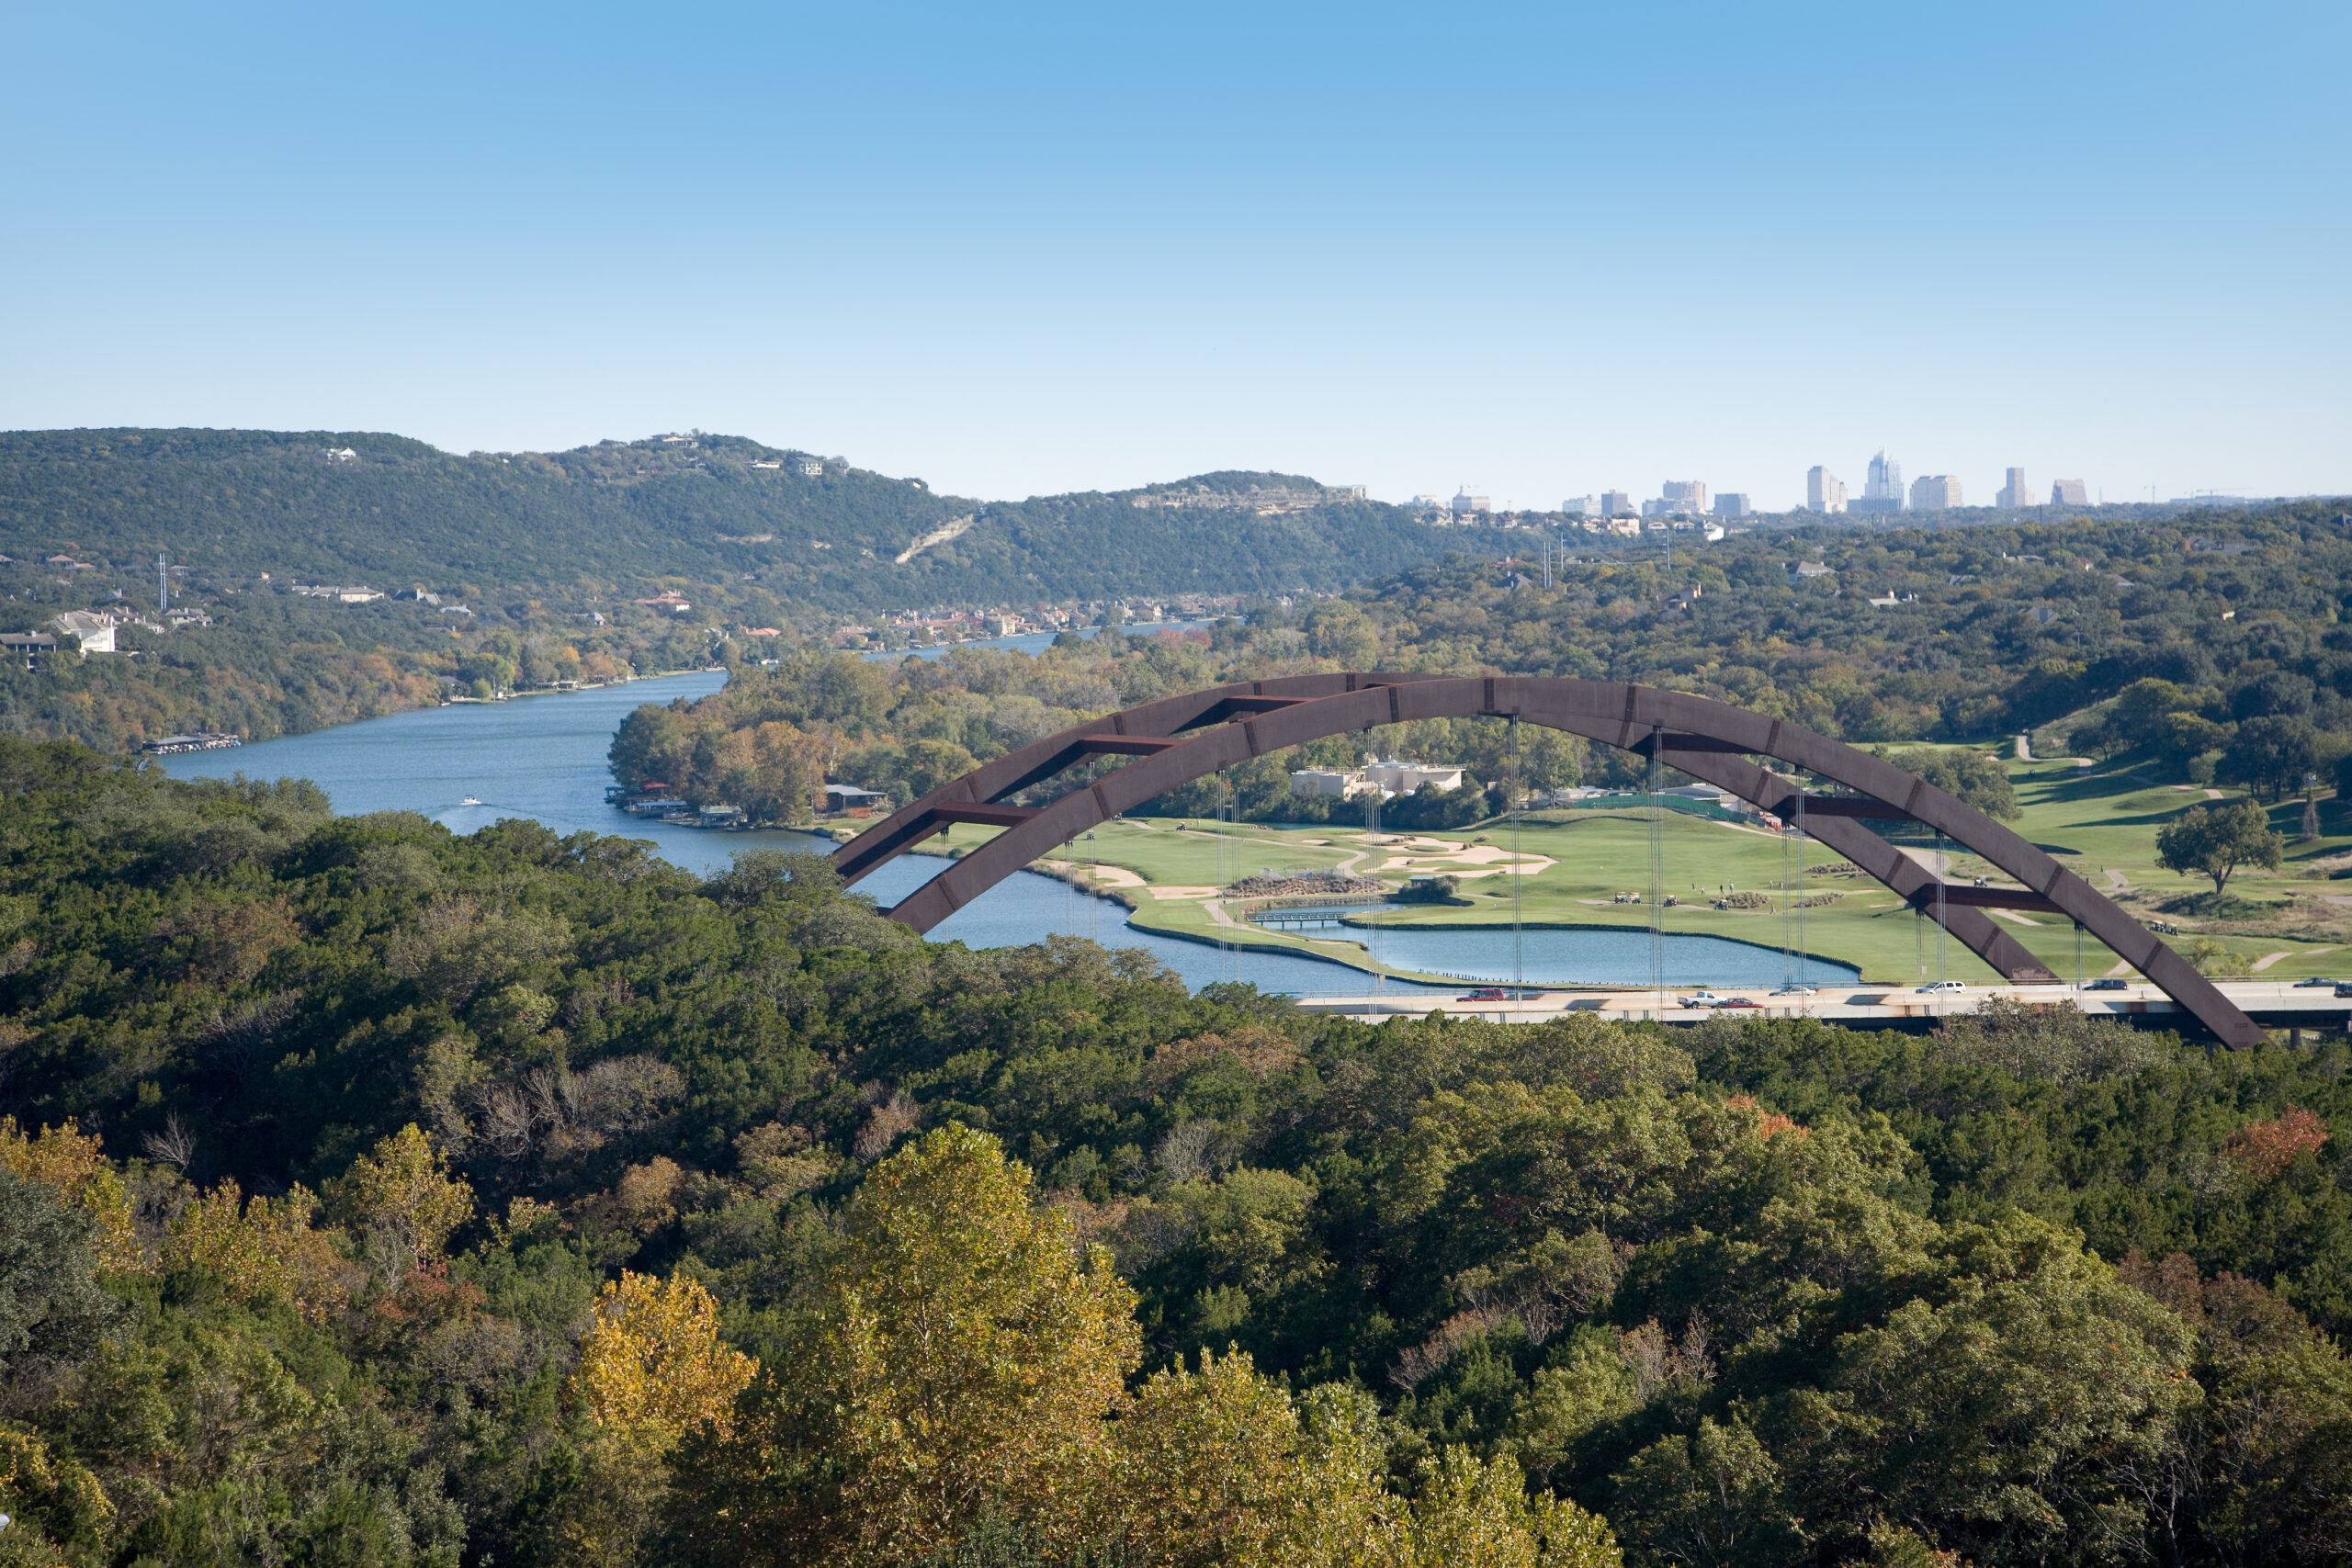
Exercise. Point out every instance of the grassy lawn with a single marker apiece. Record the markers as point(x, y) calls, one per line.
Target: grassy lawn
point(2100, 821)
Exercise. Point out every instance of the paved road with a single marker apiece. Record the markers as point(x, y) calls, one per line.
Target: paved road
point(2275, 1004)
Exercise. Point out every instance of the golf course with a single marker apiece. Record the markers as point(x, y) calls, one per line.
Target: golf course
point(1591, 868)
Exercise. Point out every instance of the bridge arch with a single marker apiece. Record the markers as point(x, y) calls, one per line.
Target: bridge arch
point(1177, 740)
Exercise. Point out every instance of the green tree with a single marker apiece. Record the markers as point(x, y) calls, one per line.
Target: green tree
point(2214, 841)
point(1709, 1501)
point(2273, 751)
point(1967, 775)
point(51, 1308)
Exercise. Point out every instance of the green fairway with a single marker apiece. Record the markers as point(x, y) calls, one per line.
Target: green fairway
point(2101, 822)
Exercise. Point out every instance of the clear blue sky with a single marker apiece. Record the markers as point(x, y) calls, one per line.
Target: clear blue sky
point(1538, 250)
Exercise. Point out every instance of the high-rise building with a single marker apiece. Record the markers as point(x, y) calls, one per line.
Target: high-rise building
point(2015, 495)
point(1581, 507)
point(1465, 503)
point(1936, 492)
point(1617, 503)
point(1823, 491)
point(1733, 503)
point(1885, 480)
point(1685, 495)
point(2067, 492)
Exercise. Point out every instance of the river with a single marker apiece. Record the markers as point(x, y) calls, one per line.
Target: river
point(467, 765)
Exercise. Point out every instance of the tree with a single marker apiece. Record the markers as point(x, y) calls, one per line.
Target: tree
point(402, 1204)
point(2215, 841)
point(71, 1164)
point(2274, 750)
point(262, 1248)
point(652, 1367)
point(959, 1359)
point(1969, 776)
point(51, 1308)
point(1714, 1499)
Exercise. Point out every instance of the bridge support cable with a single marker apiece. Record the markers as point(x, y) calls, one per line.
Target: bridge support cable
point(1805, 952)
point(1198, 733)
point(1944, 891)
point(1657, 874)
point(1518, 953)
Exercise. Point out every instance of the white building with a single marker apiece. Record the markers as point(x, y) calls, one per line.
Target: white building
point(1581, 507)
point(1823, 491)
point(96, 631)
point(1465, 503)
point(2067, 492)
point(1404, 778)
point(2015, 495)
point(1617, 503)
point(1885, 480)
point(1936, 492)
point(1684, 495)
point(1733, 503)
point(1333, 782)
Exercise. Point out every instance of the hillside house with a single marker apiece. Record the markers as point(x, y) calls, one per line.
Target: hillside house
point(31, 648)
point(96, 631)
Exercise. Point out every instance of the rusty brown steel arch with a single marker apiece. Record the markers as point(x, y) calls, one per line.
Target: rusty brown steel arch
point(1177, 740)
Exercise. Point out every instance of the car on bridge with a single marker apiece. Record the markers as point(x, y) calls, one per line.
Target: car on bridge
point(1739, 1002)
point(1796, 988)
point(2315, 980)
point(1701, 999)
point(1942, 989)
point(2107, 983)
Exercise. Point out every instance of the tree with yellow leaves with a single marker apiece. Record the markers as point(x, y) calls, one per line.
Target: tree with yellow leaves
point(71, 1164)
point(261, 1249)
point(402, 1203)
point(652, 1367)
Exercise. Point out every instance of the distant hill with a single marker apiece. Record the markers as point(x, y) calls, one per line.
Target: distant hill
point(717, 510)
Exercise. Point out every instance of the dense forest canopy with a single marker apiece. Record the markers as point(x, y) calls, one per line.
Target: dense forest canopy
point(377, 1195)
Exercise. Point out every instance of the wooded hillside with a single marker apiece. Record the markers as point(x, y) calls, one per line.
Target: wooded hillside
point(376, 1195)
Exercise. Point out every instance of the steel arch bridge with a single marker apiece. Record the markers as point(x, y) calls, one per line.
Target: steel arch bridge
point(1177, 740)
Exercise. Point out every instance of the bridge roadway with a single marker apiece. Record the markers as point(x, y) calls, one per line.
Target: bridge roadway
point(2274, 1004)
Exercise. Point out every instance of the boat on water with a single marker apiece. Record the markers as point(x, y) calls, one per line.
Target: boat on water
point(470, 800)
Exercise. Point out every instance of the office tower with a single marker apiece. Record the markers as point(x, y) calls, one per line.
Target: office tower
point(1733, 503)
point(1465, 503)
point(1936, 492)
point(1581, 507)
point(2067, 492)
point(1685, 495)
point(1823, 491)
point(1885, 480)
point(2015, 495)
point(1617, 503)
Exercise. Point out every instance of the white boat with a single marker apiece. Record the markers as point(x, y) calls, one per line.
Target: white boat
point(470, 800)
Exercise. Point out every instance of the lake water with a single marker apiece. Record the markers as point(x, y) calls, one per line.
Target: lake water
point(544, 758)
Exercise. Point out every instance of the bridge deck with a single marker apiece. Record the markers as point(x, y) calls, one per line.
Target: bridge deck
point(2274, 1004)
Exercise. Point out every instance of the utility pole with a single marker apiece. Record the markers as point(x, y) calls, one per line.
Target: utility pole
point(162, 582)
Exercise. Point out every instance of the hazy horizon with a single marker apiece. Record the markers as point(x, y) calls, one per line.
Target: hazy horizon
point(1532, 252)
